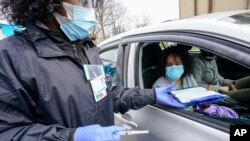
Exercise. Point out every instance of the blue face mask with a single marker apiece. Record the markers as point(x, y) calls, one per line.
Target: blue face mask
point(79, 23)
point(174, 72)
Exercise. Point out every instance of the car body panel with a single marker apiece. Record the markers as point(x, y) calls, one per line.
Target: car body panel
point(172, 127)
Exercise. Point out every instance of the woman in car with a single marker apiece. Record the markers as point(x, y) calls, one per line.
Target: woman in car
point(207, 75)
point(176, 65)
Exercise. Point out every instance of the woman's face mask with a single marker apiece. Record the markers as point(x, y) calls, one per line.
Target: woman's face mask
point(210, 58)
point(174, 68)
point(207, 55)
point(174, 72)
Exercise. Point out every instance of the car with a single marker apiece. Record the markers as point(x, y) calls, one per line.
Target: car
point(131, 59)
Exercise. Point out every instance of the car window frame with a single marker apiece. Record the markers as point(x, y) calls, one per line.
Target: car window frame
point(123, 51)
point(186, 38)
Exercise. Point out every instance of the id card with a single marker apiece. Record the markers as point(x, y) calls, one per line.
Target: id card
point(93, 71)
point(99, 88)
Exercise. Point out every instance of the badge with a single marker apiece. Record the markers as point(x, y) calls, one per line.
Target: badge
point(99, 88)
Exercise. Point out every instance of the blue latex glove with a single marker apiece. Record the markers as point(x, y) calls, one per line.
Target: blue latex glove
point(164, 97)
point(98, 133)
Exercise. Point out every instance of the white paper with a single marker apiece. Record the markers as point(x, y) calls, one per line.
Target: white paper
point(187, 95)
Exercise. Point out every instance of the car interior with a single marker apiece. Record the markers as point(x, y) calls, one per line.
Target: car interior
point(150, 62)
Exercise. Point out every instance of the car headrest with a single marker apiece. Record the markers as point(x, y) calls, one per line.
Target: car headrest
point(151, 54)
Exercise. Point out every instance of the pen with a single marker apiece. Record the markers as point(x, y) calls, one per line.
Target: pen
point(131, 132)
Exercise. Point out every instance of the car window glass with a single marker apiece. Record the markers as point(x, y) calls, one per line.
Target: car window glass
point(109, 59)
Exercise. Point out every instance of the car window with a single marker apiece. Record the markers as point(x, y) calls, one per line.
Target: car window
point(109, 59)
point(237, 80)
point(194, 51)
point(151, 59)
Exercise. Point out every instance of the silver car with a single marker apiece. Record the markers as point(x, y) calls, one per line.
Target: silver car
point(132, 61)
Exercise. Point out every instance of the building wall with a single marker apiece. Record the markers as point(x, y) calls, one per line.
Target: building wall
point(225, 5)
point(202, 6)
point(187, 7)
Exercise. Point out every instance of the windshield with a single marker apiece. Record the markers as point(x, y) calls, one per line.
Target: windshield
point(242, 19)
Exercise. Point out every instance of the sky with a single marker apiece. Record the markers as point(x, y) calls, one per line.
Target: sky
point(157, 10)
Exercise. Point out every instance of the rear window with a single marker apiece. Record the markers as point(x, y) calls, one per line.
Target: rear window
point(241, 19)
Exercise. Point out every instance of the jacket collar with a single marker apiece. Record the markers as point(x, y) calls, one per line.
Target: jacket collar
point(43, 45)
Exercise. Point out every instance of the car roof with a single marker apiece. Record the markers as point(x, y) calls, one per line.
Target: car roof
point(208, 23)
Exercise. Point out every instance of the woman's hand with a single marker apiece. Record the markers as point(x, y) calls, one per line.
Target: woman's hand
point(232, 87)
point(210, 87)
point(224, 89)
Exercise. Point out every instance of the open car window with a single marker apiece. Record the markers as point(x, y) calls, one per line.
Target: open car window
point(236, 103)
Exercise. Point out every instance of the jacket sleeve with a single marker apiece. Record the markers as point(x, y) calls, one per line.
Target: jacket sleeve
point(130, 98)
point(17, 117)
point(198, 71)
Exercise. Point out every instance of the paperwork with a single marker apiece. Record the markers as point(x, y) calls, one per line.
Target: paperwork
point(197, 95)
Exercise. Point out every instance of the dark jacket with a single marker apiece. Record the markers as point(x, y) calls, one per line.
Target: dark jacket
point(44, 94)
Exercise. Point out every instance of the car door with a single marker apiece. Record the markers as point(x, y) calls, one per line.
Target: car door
point(170, 124)
point(165, 123)
point(162, 124)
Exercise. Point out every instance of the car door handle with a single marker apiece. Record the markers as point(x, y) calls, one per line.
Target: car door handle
point(125, 121)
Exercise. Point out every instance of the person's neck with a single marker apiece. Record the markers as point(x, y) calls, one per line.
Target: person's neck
point(179, 83)
point(52, 24)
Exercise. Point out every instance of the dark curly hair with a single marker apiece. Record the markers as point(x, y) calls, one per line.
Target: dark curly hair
point(177, 51)
point(18, 11)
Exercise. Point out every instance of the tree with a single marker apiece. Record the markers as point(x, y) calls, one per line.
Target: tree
point(117, 18)
point(141, 22)
point(110, 20)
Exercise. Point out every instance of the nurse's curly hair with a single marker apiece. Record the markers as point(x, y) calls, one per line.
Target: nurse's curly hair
point(18, 11)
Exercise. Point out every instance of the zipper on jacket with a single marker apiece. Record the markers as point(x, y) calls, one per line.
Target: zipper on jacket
point(76, 54)
point(77, 58)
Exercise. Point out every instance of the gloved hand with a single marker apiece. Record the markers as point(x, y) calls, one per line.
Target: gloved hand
point(98, 133)
point(164, 97)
